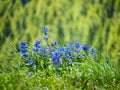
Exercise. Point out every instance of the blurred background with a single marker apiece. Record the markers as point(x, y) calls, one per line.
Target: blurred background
point(96, 22)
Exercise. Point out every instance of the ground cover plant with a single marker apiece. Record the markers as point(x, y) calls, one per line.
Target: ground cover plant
point(52, 66)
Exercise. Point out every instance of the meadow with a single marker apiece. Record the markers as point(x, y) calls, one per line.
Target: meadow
point(59, 45)
point(56, 67)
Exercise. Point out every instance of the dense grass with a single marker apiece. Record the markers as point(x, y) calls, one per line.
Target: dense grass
point(86, 75)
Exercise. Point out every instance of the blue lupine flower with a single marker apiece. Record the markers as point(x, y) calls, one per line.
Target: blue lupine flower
point(55, 61)
point(37, 44)
point(24, 54)
point(94, 57)
point(52, 50)
point(43, 50)
point(54, 43)
point(23, 51)
point(45, 38)
point(70, 59)
point(30, 62)
point(23, 45)
point(36, 47)
point(68, 51)
point(76, 50)
point(68, 45)
point(55, 58)
point(77, 44)
point(85, 47)
point(45, 30)
point(61, 50)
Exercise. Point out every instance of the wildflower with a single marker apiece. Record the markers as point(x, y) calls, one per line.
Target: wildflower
point(85, 47)
point(61, 50)
point(23, 51)
point(54, 43)
point(43, 50)
point(45, 38)
point(52, 49)
point(68, 45)
point(55, 58)
point(77, 44)
point(36, 46)
point(94, 57)
point(76, 50)
point(30, 62)
point(55, 61)
point(45, 30)
point(23, 46)
point(24, 54)
point(70, 59)
point(92, 51)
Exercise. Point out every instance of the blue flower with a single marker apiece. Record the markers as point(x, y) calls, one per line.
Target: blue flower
point(36, 47)
point(68, 45)
point(30, 62)
point(85, 47)
point(94, 57)
point(77, 44)
point(54, 43)
point(70, 59)
point(23, 51)
point(23, 45)
point(52, 49)
point(24, 55)
point(61, 50)
point(43, 50)
point(37, 44)
point(55, 61)
point(55, 58)
point(45, 30)
point(76, 50)
point(45, 38)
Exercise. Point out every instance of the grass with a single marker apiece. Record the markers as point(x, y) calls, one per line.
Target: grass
point(87, 75)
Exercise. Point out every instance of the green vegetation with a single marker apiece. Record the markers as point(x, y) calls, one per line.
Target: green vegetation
point(87, 75)
point(96, 22)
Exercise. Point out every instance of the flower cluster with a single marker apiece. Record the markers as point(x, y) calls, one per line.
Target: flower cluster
point(23, 49)
point(56, 53)
point(45, 32)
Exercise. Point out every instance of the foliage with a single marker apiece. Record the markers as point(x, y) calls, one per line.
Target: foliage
point(59, 65)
